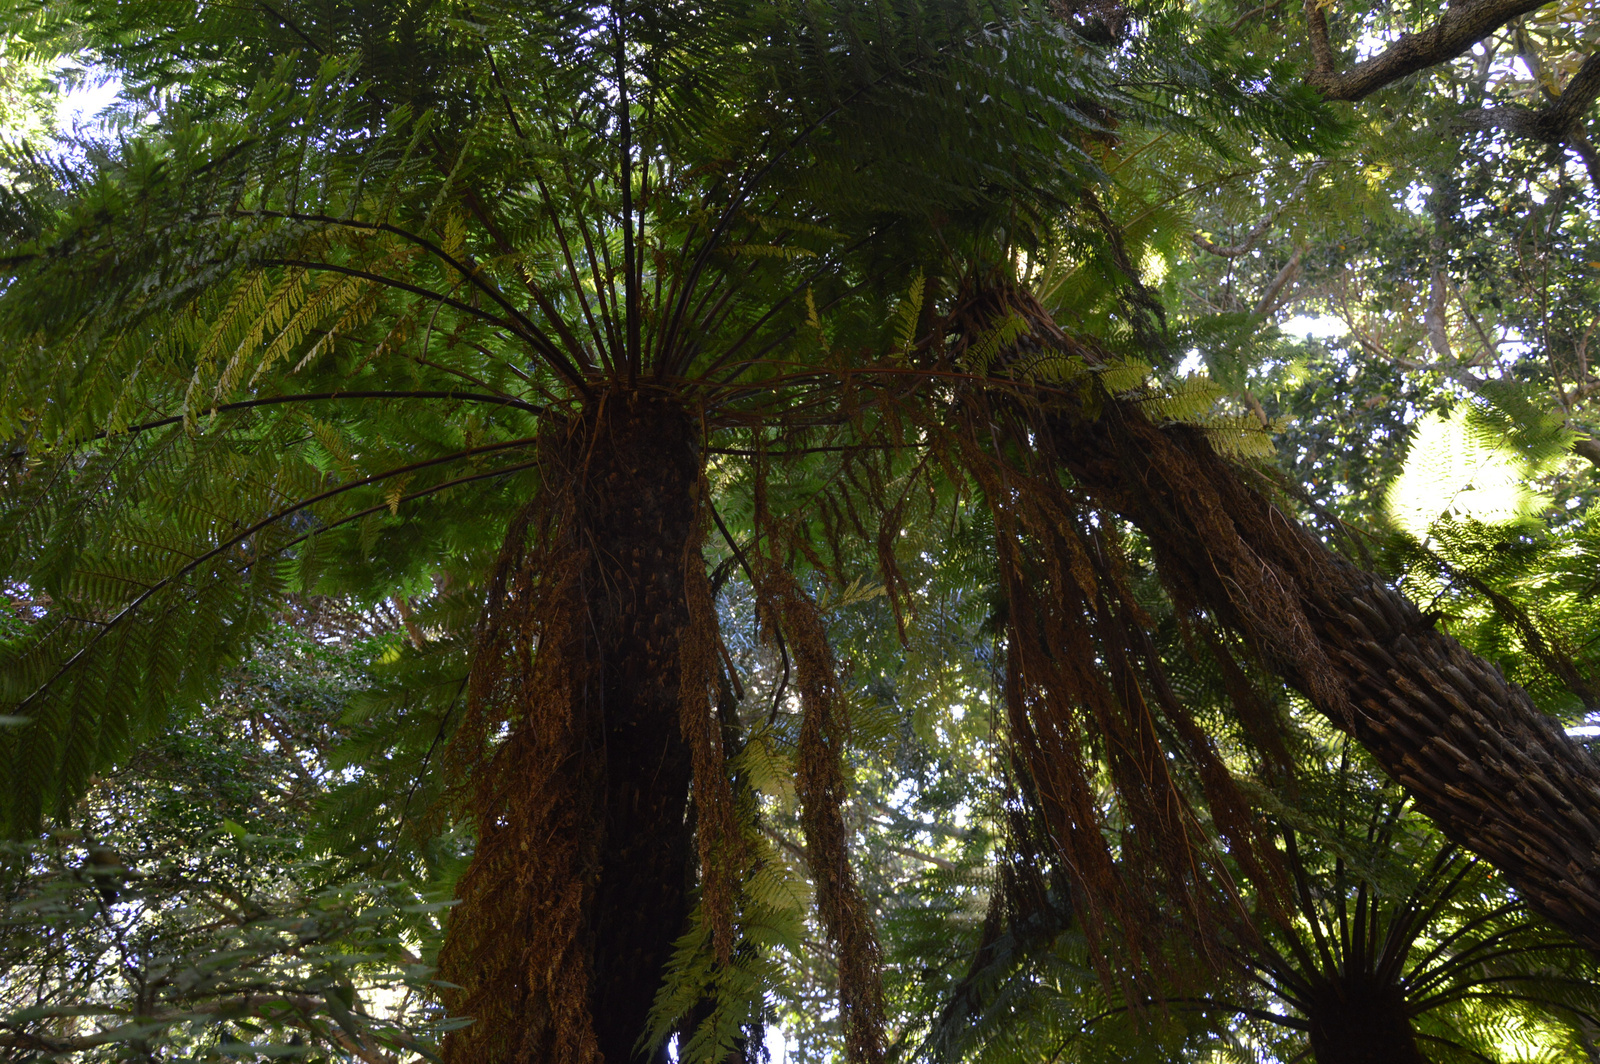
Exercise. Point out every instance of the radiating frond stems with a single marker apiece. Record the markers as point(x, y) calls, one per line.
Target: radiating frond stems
point(451, 371)
point(266, 522)
point(510, 367)
point(444, 718)
point(747, 188)
point(605, 269)
point(311, 397)
point(1539, 1000)
point(468, 273)
point(1477, 953)
point(630, 281)
point(1265, 1015)
point(404, 286)
point(505, 96)
point(572, 271)
point(541, 343)
point(773, 310)
point(408, 497)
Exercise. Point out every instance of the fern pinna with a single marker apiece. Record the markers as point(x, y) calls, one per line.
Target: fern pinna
point(452, 302)
point(393, 296)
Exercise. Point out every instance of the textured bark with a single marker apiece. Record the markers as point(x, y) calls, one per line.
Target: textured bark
point(1460, 27)
point(1554, 122)
point(1497, 775)
point(638, 510)
point(580, 882)
point(1360, 1021)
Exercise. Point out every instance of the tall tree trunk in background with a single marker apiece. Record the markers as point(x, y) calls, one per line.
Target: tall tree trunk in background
point(580, 883)
point(1494, 773)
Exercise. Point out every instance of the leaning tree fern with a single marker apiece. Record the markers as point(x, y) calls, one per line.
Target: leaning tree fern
point(1494, 771)
point(389, 294)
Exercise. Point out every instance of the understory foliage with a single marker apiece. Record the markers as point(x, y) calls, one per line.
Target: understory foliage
point(606, 530)
point(183, 908)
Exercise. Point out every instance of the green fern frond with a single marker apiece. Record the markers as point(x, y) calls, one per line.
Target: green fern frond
point(980, 355)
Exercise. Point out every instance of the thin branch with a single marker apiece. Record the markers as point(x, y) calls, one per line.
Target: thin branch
point(942, 863)
point(1244, 247)
point(1285, 277)
point(293, 27)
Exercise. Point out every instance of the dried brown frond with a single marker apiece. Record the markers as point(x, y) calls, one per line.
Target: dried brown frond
point(722, 857)
point(821, 786)
point(516, 944)
point(1093, 716)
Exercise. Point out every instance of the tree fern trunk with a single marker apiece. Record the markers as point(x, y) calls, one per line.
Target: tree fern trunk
point(638, 511)
point(580, 882)
point(1360, 1021)
point(1497, 775)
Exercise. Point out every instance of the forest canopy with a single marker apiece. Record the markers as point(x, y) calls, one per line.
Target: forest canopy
point(864, 530)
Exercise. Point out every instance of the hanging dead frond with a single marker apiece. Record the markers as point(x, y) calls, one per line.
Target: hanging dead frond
point(820, 782)
point(717, 829)
point(1122, 770)
point(1494, 772)
point(517, 946)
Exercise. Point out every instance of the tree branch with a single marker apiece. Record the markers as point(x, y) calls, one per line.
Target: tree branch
point(942, 863)
point(1587, 449)
point(1458, 29)
point(1234, 251)
point(1285, 277)
point(1559, 122)
point(1321, 50)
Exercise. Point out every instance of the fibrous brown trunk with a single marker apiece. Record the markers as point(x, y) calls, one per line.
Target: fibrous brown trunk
point(1493, 772)
point(638, 512)
point(1497, 775)
point(1361, 1021)
point(580, 882)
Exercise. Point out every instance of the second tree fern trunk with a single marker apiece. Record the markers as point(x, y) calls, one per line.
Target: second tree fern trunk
point(1497, 775)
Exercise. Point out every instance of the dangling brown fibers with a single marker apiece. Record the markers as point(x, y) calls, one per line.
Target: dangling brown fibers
point(587, 716)
point(1493, 772)
point(1086, 694)
point(821, 787)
